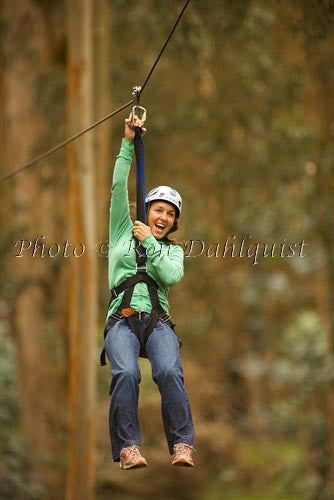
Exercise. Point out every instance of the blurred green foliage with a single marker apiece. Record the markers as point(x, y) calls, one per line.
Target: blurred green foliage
point(16, 482)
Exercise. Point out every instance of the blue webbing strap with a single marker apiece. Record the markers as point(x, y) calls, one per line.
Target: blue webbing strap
point(140, 175)
point(140, 188)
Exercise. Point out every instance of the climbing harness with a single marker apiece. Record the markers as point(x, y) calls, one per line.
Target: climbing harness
point(126, 312)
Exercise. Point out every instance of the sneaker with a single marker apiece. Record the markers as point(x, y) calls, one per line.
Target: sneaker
point(131, 458)
point(183, 455)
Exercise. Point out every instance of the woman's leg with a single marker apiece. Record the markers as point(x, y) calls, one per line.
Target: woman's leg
point(163, 352)
point(122, 348)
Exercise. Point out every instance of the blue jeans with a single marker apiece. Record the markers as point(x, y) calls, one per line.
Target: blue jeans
point(162, 349)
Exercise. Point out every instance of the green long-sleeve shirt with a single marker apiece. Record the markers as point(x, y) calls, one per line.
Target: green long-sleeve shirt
point(164, 262)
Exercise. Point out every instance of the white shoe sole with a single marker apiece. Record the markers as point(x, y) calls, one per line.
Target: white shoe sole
point(137, 465)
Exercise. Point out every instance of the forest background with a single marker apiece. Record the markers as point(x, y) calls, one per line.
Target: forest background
point(241, 122)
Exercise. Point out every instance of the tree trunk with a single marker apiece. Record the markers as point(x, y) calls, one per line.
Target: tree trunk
point(103, 105)
point(35, 283)
point(83, 288)
point(319, 107)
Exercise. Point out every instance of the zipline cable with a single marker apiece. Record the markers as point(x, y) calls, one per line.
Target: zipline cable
point(165, 45)
point(64, 143)
point(113, 113)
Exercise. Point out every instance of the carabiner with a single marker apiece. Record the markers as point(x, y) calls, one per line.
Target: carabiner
point(139, 112)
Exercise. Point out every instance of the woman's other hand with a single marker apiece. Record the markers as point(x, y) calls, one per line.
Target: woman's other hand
point(140, 230)
point(130, 125)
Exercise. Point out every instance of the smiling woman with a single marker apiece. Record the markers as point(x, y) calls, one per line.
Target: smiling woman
point(161, 217)
point(138, 321)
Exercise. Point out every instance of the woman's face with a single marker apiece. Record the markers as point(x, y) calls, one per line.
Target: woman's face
point(161, 217)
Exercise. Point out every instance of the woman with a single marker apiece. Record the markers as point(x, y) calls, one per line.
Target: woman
point(123, 346)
